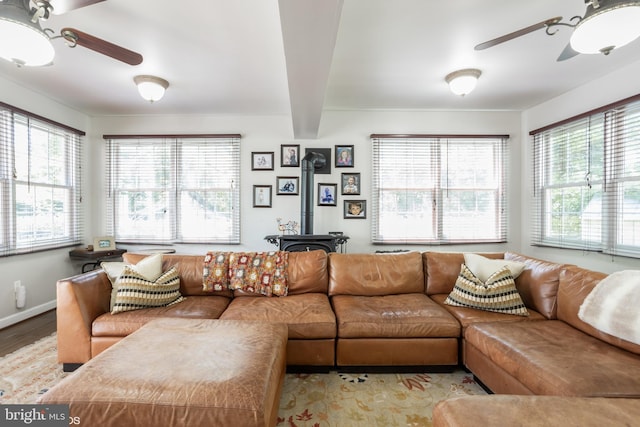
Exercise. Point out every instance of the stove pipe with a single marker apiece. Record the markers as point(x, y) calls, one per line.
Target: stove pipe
point(309, 163)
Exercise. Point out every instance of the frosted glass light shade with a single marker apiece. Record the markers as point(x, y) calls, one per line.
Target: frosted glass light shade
point(607, 28)
point(151, 88)
point(24, 43)
point(462, 82)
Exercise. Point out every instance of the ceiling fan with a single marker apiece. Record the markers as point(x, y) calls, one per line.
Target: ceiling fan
point(605, 26)
point(24, 42)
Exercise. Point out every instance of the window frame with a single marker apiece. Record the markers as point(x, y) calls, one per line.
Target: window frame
point(175, 185)
point(434, 185)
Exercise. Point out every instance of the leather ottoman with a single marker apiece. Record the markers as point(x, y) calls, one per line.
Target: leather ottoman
point(181, 372)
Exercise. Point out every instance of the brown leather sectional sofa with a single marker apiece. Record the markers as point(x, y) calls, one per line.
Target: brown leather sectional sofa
point(388, 310)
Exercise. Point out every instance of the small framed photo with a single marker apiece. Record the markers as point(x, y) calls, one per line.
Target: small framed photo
point(355, 209)
point(104, 243)
point(327, 194)
point(289, 156)
point(351, 183)
point(287, 185)
point(262, 161)
point(344, 156)
point(262, 196)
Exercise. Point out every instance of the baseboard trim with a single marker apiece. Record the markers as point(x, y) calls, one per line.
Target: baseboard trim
point(27, 314)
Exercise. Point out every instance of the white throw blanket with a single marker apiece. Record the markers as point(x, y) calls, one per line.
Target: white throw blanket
point(613, 306)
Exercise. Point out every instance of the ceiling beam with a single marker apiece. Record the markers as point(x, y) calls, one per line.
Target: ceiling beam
point(309, 31)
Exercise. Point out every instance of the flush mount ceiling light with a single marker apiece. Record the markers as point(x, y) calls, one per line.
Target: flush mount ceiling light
point(151, 88)
point(462, 82)
point(23, 40)
point(606, 25)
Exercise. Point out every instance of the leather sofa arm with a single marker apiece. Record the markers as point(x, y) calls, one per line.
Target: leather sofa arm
point(80, 300)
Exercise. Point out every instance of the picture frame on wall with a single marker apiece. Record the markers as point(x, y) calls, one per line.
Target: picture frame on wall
point(350, 184)
point(287, 185)
point(326, 152)
point(262, 196)
point(290, 155)
point(356, 209)
point(327, 194)
point(262, 160)
point(344, 156)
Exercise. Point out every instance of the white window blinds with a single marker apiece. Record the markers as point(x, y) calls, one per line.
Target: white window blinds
point(439, 189)
point(587, 182)
point(182, 189)
point(40, 183)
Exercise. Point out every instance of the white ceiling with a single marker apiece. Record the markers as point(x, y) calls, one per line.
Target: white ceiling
point(299, 57)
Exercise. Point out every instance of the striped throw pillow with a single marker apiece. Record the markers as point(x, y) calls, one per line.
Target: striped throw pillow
point(498, 293)
point(136, 292)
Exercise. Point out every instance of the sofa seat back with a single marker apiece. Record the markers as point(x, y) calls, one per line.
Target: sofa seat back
point(575, 284)
point(441, 269)
point(538, 283)
point(375, 274)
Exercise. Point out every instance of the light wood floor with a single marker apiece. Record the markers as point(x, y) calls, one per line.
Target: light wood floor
point(26, 332)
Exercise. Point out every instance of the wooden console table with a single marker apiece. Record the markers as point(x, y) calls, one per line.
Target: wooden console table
point(94, 258)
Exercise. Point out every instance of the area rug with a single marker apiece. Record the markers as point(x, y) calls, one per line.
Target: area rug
point(308, 400)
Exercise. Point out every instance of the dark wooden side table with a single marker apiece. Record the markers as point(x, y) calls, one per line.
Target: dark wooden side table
point(94, 258)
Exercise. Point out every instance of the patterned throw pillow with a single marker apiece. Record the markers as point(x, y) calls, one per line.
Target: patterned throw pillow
point(136, 292)
point(263, 273)
point(216, 272)
point(498, 293)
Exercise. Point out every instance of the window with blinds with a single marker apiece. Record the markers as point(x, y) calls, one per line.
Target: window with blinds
point(40, 183)
point(439, 189)
point(587, 182)
point(174, 189)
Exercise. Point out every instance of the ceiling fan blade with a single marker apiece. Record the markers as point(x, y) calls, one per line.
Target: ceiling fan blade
point(518, 33)
point(567, 53)
point(64, 6)
point(75, 37)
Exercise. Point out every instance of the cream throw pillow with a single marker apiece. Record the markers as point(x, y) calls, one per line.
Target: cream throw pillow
point(483, 267)
point(150, 268)
point(136, 292)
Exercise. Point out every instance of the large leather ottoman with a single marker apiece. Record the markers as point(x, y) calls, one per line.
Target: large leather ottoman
point(181, 372)
point(535, 411)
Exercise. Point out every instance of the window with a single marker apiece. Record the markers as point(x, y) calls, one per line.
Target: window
point(40, 183)
point(438, 189)
point(587, 182)
point(179, 189)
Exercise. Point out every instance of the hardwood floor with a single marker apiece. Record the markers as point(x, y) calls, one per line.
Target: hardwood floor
point(16, 336)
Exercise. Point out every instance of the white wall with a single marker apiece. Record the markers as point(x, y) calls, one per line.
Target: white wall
point(37, 272)
point(614, 87)
point(337, 128)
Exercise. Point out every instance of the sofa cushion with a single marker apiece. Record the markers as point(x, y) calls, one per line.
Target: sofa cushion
point(497, 294)
point(375, 274)
point(441, 269)
point(469, 316)
point(552, 358)
point(483, 267)
point(308, 272)
point(135, 291)
point(308, 316)
point(538, 284)
point(392, 316)
point(189, 268)
point(575, 284)
point(193, 307)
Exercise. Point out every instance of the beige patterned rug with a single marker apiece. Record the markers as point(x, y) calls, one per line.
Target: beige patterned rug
point(333, 399)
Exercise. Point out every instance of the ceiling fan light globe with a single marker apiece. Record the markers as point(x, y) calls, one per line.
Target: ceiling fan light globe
point(151, 88)
point(607, 29)
point(463, 82)
point(28, 45)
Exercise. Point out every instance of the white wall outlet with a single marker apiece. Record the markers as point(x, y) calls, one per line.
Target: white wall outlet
point(20, 293)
